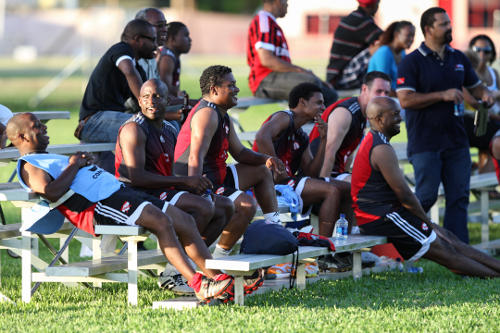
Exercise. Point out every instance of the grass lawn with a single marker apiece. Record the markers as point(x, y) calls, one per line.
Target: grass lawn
point(436, 300)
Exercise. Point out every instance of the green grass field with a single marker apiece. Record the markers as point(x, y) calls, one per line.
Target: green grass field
point(436, 300)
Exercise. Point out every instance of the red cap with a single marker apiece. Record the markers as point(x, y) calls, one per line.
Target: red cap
point(366, 3)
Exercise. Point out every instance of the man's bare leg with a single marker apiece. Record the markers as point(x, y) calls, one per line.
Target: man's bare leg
point(245, 207)
point(328, 196)
point(466, 249)
point(346, 201)
point(445, 254)
point(260, 178)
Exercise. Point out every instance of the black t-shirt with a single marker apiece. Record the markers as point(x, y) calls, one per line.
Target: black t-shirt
point(108, 88)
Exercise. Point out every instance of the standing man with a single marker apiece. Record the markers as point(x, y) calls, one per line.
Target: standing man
point(115, 78)
point(429, 87)
point(355, 34)
point(281, 135)
point(346, 123)
point(385, 205)
point(203, 144)
point(272, 73)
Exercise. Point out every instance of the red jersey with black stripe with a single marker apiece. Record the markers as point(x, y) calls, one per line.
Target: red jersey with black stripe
point(160, 146)
point(372, 197)
point(264, 32)
point(352, 137)
point(290, 144)
point(214, 163)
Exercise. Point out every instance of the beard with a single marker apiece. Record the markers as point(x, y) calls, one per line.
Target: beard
point(448, 37)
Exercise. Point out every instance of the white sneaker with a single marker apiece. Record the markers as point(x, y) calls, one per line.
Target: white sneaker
point(174, 282)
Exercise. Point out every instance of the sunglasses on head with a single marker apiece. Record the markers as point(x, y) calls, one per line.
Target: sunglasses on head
point(485, 49)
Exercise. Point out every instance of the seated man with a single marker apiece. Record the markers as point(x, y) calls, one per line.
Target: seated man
point(272, 73)
point(281, 135)
point(89, 193)
point(115, 78)
point(144, 157)
point(346, 123)
point(202, 149)
point(384, 204)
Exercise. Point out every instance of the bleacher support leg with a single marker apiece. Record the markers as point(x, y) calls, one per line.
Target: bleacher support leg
point(132, 271)
point(301, 276)
point(238, 290)
point(356, 265)
point(26, 266)
point(485, 237)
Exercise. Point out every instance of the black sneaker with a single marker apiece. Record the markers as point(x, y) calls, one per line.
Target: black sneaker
point(335, 263)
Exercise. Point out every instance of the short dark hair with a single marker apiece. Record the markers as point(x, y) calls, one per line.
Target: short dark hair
point(134, 28)
point(173, 28)
point(370, 77)
point(213, 76)
point(389, 33)
point(303, 90)
point(489, 40)
point(428, 17)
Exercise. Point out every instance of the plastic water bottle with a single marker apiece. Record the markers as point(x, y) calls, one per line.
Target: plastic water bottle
point(459, 110)
point(207, 195)
point(341, 228)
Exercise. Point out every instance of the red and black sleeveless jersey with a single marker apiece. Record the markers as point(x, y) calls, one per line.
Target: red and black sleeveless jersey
point(353, 136)
point(290, 144)
point(372, 198)
point(214, 163)
point(160, 145)
point(176, 74)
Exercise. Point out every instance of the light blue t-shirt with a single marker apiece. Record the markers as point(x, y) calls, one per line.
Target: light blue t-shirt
point(383, 60)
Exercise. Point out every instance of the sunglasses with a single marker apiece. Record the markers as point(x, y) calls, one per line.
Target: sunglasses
point(152, 39)
point(478, 49)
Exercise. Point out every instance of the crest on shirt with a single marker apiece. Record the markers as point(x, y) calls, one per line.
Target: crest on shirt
point(220, 190)
point(291, 183)
point(400, 80)
point(163, 196)
point(424, 226)
point(296, 145)
point(125, 207)
point(459, 67)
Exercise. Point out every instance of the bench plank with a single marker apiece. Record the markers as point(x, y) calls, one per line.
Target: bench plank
point(105, 265)
point(48, 115)
point(15, 192)
point(122, 230)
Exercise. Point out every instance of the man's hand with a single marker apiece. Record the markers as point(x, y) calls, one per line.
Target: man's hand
point(322, 126)
point(198, 184)
point(277, 167)
point(81, 159)
point(488, 98)
point(453, 95)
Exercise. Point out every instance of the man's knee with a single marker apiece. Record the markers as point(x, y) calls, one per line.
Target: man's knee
point(246, 205)
point(154, 219)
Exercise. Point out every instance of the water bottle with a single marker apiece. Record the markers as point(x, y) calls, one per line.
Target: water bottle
point(341, 228)
point(207, 195)
point(459, 110)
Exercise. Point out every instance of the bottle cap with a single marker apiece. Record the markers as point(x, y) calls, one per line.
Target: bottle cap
point(342, 216)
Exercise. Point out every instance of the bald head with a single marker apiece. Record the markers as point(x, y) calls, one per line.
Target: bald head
point(383, 114)
point(147, 14)
point(157, 84)
point(153, 100)
point(17, 125)
point(136, 27)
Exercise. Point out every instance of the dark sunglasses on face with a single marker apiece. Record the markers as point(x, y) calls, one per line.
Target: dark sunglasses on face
point(152, 39)
point(485, 49)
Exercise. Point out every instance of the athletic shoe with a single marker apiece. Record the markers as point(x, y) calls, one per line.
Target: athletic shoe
point(280, 270)
point(217, 289)
point(335, 263)
point(253, 282)
point(174, 282)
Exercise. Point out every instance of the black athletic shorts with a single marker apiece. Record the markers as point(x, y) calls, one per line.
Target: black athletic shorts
point(410, 235)
point(170, 195)
point(231, 187)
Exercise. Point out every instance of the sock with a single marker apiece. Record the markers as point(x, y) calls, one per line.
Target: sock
point(273, 217)
point(195, 282)
point(219, 252)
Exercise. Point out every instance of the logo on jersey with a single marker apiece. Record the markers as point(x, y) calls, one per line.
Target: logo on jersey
point(291, 183)
point(125, 207)
point(459, 67)
point(424, 226)
point(296, 145)
point(220, 190)
point(400, 80)
point(163, 196)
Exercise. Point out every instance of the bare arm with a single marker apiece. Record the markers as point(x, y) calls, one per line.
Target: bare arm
point(383, 158)
point(52, 189)
point(166, 70)
point(269, 60)
point(414, 100)
point(338, 126)
point(270, 131)
point(133, 145)
point(310, 165)
point(482, 93)
point(133, 77)
point(203, 127)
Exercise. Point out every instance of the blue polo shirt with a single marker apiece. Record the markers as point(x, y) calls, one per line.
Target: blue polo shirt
point(435, 127)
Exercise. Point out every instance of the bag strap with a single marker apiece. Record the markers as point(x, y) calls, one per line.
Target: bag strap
point(295, 265)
